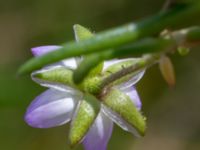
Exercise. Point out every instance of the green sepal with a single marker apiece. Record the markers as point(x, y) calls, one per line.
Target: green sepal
point(92, 85)
point(121, 104)
point(119, 67)
point(63, 76)
point(82, 33)
point(83, 119)
point(97, 70)
point(60, 75)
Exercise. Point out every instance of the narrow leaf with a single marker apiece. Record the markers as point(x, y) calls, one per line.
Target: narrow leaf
point(119, 36)
point(147, 45)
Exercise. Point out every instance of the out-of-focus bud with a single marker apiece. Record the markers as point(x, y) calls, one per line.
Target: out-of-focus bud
point(167, 70)
point(183, 50)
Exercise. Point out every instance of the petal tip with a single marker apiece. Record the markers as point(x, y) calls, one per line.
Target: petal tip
point(41, 50)
point(28, 118)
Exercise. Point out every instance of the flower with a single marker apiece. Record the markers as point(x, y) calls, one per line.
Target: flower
point(61, 103)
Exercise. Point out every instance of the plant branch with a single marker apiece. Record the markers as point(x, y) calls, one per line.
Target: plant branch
point(170, 41)
point(186, 37)
point(149, 45)
point(174, 18)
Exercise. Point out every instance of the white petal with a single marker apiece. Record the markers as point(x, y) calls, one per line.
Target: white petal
point(133, 94)
point(136, 77)
point(71, 63)
point(110, 62)
point(51, 108)
point(120, 121)
point(99, 134)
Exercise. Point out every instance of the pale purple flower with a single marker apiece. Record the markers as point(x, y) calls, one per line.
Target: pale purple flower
point(56, 105)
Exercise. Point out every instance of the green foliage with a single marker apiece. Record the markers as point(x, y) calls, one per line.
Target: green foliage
point(174, 18)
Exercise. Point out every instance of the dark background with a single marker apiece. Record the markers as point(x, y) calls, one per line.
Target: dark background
point(173, 114)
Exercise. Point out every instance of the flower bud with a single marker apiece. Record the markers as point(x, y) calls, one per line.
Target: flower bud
point(167, 70)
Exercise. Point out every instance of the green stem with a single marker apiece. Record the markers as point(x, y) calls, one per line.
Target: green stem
point(118, 36)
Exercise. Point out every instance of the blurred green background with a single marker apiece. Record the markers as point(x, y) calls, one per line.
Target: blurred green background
point(173, 113)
